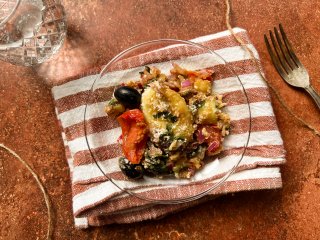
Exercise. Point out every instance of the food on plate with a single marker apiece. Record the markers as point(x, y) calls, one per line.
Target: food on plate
point(128, 97)
point(134, 134)
point(169, 123)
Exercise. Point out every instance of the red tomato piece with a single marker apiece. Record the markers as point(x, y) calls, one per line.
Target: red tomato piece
point(134, 134)
point(192, 74)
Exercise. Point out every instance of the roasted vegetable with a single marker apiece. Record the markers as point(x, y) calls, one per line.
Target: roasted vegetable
point(211, 136)
point(156, 165)
point(155, 160)
point(203, 86)
point(156, 102)
point(134, 134)
point(207, 113)
point(174, 121)
point(134, 171)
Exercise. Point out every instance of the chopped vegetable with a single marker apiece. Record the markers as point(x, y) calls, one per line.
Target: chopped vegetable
point(186, 83)
point(166, 115)
point(160, 99)
point(207, 112)
point(134, 134)
point(114, 108)
point(155, 161)
point(134, 171)
point(176, 122)
point(203, 86)
point(211, 135)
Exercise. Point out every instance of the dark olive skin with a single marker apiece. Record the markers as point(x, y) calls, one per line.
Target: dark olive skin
point(133, 171)
point(127, 96)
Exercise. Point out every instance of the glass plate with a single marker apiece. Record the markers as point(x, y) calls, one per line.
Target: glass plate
point(102, 132)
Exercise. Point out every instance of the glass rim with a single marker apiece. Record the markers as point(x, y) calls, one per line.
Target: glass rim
point(6, 19)
point(119, 55)
point(221, 180)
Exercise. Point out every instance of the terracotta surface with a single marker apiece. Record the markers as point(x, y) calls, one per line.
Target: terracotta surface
point(98, 30)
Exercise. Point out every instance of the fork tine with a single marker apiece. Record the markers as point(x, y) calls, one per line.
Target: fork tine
point(284, 50)
point(275, 59)
point(279, 53)
point(289, 47)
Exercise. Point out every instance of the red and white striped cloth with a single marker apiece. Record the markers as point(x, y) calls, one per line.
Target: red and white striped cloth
point(97, 201)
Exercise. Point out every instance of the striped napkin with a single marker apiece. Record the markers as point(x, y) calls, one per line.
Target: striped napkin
point(97, 201)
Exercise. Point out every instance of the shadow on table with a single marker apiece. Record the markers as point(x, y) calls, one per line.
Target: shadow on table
point(72, 59)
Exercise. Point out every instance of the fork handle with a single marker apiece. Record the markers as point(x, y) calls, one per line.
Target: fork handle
point(314, 95)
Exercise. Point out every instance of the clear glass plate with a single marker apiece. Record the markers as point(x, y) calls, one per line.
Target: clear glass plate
point(105, 150)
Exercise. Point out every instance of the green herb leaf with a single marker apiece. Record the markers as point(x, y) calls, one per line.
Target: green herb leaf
point(112, 102)
point(147, 69)
point(166, 115)
point(150, 81)
point(169, 128)
point(180, 139)
point(198, 104)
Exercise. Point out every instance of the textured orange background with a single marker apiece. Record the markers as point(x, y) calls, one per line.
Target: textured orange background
point(99, 29)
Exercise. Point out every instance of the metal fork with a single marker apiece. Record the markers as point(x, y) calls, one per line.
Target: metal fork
point(287, 63)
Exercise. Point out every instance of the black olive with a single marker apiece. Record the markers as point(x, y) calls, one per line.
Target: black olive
point(133, 171)
point(128, 96)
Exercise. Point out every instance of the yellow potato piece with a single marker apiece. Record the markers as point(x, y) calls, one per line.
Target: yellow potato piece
point(207, 113)
point(153, 103)
point(149, 106)
point(203, 86)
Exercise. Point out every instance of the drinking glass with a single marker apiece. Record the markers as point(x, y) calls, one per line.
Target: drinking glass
point(31, 31)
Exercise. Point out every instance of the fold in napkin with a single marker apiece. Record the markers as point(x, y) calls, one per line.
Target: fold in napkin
point(96, 201)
